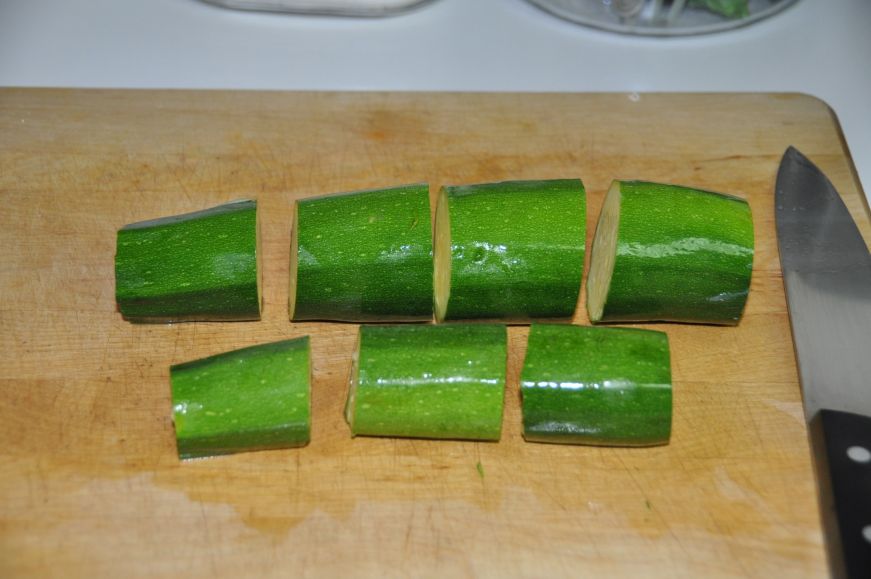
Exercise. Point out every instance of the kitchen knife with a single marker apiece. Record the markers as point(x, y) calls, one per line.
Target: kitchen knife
point(827, 276)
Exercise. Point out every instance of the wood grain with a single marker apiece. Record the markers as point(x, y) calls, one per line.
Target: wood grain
point(89, 480)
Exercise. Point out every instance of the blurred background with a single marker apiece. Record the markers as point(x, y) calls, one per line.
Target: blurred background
point(817, 47)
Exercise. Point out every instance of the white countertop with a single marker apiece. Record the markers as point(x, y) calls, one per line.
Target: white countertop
point(818, 47)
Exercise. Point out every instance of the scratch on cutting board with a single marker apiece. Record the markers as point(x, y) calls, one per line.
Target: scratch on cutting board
point(735, 491)
point(793, 409)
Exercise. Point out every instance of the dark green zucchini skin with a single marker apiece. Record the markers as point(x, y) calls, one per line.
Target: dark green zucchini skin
point(256, 398)
point(429, 381)
point(197, 266)
point(683, 255)
point(517, 249)
point(598, 386)
point(365, 256)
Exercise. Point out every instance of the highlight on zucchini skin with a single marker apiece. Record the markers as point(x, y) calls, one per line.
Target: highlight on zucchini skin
point(670, 253)
point(255, 398)
point(596, 386)
point(201, 266)
point(510, 251)
point(363, 256)
point(428, 381)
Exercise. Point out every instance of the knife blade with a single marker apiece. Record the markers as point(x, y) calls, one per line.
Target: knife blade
point(827, 278)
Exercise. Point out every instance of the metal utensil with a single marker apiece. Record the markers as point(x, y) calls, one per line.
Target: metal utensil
point(827, 276)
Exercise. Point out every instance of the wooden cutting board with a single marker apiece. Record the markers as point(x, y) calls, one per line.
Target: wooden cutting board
point(89, 480)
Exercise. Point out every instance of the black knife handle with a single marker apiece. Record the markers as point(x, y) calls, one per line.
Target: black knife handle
point(841, 444)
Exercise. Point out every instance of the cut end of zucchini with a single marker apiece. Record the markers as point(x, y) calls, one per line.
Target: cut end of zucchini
point(294, 257)
point(257, 260)
point(604, 252)
point(442, 257)
point(353, 380)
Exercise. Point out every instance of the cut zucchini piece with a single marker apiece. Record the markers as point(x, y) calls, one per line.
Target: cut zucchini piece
point(442, 257)
point(599, 386)
point(512, 251)
point(670, 253)
point(197, 266)
point(363, 256)
point(428, 381)
point(256, 398)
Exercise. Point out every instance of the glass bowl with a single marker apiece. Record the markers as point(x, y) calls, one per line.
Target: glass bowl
point(664, 17)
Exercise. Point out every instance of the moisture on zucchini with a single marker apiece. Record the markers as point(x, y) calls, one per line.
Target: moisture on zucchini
point(512, 251)
point(428, 381)
point(593, 385)
point(196, 266)
point(670, 253)
point(363, 256)
point(256, 398)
